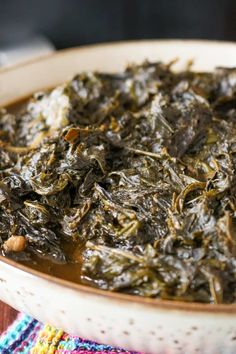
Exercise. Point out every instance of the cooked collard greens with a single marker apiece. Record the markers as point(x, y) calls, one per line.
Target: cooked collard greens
point(130, 177)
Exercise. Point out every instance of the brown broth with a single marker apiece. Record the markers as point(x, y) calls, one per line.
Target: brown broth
point(69, 271)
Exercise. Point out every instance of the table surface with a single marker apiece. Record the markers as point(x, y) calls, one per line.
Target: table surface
point(7, 316)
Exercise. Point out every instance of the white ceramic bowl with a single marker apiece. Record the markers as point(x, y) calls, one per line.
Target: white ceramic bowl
point(148, 325)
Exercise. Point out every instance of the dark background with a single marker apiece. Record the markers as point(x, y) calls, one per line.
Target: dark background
point(74, 22)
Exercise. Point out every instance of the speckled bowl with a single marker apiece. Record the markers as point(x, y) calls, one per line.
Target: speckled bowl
point(147, 325)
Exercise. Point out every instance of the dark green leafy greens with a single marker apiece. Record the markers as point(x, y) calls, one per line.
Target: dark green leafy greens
point(137, 170)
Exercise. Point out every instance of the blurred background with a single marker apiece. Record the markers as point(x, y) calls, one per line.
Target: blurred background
point(67, 23)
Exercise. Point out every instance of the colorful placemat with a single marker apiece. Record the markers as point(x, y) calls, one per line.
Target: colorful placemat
point(28, 336)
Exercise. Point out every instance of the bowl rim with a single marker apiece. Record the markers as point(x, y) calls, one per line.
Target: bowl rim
point(107, 45)
point(170, 305)
point(154, 303)
point(128, 42)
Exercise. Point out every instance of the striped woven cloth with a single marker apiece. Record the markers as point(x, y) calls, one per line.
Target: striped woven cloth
point(28, 336)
